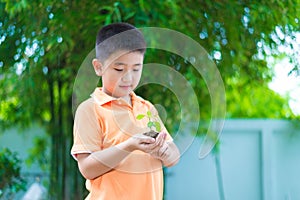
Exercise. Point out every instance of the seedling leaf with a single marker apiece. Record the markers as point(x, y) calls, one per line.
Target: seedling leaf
point(150, 124)
point(149, 114)
point(140, 116)
point(157, 126)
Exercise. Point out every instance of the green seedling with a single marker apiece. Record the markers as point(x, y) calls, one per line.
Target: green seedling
point(152, 124)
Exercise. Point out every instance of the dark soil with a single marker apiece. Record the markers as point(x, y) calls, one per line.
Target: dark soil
point(151, 134)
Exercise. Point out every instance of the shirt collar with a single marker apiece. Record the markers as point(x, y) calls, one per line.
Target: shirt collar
point(102, 98)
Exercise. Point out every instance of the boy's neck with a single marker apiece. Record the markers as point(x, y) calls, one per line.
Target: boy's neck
point(127, 98)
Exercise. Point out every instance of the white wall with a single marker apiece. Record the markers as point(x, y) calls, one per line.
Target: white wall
point(260, 160)
point(21, 141)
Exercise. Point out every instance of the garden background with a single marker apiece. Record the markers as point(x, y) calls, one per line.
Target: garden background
point(43, 44)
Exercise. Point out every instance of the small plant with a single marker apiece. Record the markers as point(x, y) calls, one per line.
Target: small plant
point(152, 124)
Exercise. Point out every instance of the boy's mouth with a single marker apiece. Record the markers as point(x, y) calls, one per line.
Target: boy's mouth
point(125, 86)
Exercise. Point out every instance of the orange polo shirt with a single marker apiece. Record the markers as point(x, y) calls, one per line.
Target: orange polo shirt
point(103, 121)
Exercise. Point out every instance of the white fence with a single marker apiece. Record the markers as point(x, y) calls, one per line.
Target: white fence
point(259, 159)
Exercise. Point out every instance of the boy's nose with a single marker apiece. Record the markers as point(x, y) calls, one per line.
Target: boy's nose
point(127, 77)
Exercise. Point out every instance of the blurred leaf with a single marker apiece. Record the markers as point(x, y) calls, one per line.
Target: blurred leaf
point(149, 114)
point(150, 124)
point(140, 116)
point(157, 126)
point(10, 174)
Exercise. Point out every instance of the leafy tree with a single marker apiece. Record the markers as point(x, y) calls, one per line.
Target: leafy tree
point(44, 42)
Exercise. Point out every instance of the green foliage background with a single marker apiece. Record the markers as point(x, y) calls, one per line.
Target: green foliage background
point(10, 174)
point(43, 43)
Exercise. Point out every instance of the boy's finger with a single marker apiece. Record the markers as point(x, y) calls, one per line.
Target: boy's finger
point(142, 136)
point(147, 140)
point(161, 138)
point(163, 150)
point(163, 135)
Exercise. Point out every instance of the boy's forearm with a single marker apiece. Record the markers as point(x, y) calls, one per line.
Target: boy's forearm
point(101, 162)
point(171, 156)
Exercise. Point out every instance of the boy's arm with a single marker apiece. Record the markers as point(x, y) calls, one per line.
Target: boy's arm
point(100, 162)
point(171, 155)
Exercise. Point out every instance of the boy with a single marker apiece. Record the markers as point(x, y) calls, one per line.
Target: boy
point(118, 161)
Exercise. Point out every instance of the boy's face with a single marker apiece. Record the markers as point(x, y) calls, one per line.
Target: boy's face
point(121, 74)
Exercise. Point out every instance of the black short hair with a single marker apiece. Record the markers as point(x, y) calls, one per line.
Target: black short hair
point(118, 36)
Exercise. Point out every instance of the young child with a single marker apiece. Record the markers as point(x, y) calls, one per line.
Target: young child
point(117, 159)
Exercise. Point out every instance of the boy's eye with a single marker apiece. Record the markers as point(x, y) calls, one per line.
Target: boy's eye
point(119, 70)
point(136, 70)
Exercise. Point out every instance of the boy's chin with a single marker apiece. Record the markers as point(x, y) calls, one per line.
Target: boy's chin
point(123, 93)
point(126, 90)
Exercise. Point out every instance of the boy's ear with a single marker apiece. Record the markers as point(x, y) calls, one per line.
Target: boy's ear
point(98, 67)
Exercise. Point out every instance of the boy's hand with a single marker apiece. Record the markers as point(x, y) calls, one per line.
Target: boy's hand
point(166, 151)
point(146, 144)
point(161, 146)
point(161, 153)
point(140, 142)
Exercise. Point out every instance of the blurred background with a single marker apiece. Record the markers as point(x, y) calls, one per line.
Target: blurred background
point(254, 44)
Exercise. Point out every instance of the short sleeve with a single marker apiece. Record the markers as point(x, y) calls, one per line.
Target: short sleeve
point(87, 134)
